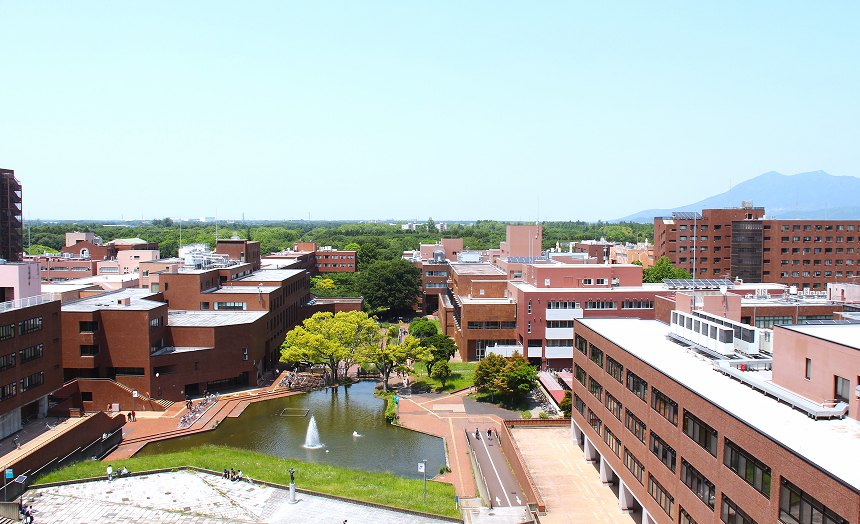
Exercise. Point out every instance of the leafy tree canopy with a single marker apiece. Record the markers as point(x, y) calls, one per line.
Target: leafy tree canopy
point(389, 284)
point(662, 269)
point(440, 348)
point(441, 372)
point(391, 354)
point(422, 328)
point(517, 378)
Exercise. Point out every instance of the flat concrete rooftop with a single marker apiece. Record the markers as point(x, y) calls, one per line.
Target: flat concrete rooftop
point(847, 335)
point(139, 300)
point(484, 268)
point(833, 445)
point(190, 318)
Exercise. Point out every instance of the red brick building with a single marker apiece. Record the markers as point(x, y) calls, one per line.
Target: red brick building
point(742, 243)
point(30, 359)
point(240, 250)
point(682, 441)
point(11, 217)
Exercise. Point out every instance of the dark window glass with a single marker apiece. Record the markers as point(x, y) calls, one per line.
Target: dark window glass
point(663, 451)
point(636, 426)
point(612, 441)
point(614, 369)
point(747, 467)
point(660, 494)
point(613, 405)
point(702, 487)
point(664, 406)
point(635, 467)
point(798, 507)
point(638, 386)
point(701, 433)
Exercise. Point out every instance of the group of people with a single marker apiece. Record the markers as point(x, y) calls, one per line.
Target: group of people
point(120, 472)
point(478, 433)
point(233, 475)
point(132, 416)
point(27, 514)
point(195, 410)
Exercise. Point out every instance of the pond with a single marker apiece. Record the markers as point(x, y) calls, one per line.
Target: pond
point(341, 414)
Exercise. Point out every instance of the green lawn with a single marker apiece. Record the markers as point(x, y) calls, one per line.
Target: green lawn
point(382, 488)
point(461, 376)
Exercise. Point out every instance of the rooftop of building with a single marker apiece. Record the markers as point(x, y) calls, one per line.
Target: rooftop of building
point(139, 300)
point(845, 334)
point(129, 241)
point(182, 318)
point(832, 445)
point(181, 349)
point(481, 268)
point(243, 289)
point(270, 275)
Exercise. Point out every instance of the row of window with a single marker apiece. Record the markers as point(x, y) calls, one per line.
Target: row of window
point(808, 227)
point(25, 327)
point(492, 325)
point(816, 250)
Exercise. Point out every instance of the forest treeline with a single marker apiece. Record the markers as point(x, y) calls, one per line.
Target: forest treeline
point(390, 240)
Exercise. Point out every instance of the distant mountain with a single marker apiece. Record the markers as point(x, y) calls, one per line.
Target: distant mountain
point(813, 195)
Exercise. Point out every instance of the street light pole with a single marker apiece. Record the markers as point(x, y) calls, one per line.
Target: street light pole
point(425, 480)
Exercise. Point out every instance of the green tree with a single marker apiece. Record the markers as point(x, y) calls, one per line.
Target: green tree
point(441, 371)
point(517, 378)
point(422, 328)
point(663, 269)
point(390, 355)
point(391, 284)
point(487, 372)
point(352, 246)
point(440, 348)
point(330, 339)
point(37, 249)
point(566, 404)
point(367, 254)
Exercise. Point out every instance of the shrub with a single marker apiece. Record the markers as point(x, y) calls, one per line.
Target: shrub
point(543, 414)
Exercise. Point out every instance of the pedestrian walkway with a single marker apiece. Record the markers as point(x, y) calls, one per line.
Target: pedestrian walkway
point(193, 497)
point(569, 486)
point(36, 433)
point(503, 488)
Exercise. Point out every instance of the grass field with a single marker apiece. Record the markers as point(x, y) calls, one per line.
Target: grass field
point(461, 376)
point(382, 488)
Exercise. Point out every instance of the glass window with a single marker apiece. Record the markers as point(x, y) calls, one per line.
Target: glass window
point(579, 404)
point(798, 507)
point(755, 472)
point(663, 451)
point(842, 391)
point(596, 355)
point(581, 344)
point(638, 386)
point(594, 422)
point(665, 405)
point(613, 405)
point(701, 486)
point(614, 369)
point(701, 433)
point(635, 467)
point(580, 374)
point(612, 441)
point(636, 426)
point(595, 388)
point(730, 513)
point(660, 494)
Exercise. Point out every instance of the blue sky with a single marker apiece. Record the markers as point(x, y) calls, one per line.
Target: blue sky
point(455, 110)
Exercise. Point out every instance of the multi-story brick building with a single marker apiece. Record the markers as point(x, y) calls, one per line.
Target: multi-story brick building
point(306, 255)
point(432, 260)
point(742, 243)
point(685, 439)
point(30, 358)
point(240, 250)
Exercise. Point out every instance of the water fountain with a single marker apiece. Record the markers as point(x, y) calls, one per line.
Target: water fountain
point(312, 439)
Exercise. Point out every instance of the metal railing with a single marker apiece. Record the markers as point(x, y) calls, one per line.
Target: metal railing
point(44, 298)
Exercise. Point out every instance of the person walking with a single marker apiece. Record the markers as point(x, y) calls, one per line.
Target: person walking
point(110, 472)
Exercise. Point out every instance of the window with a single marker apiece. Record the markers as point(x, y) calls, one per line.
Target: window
point(698, 484)
point(638, 386)
point(842, 391)
point(436, 285)
point(7, 361)
point(132, 372)
point(637, 304)
point(9, 391)
point(595, 388)
point(600, 281)
point(599, 304)
point(89, 327)
point(30, 325)
point(530, 307)
point(701, 433)
point(7, 332)
point(747, 467)
point(436, 273)
point(587, 281)
point(30, 353)
point(663, 451)
point(808, 375)
point(635, 467)
point(34, 380)
point(664, 406)
point(155, 322)
point(594, 422)
point(204, 306)
point(231, 306)
point(559, 343)
point(730, 513)
point(770, 321)
point(581, 344)
point(580, 374)
point(89, 350)
point(613, 405)
point(612, 441)
point(475, 325)
point(579, 404)
point(559, 324)
point(684, 517)
point(614, 369)
point(798, 507)
point(556, 304)
point(636, 426)
point(509, 325)
point(660, 494)
point(529, 326)
point(596, 355)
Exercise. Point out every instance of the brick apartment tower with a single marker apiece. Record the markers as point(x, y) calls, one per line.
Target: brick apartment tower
point(11, 217)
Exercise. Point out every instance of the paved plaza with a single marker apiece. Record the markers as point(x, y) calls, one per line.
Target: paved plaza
point(186, 496)
point(569, 485)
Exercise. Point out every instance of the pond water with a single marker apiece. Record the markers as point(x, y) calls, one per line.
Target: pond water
point(340, 414)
